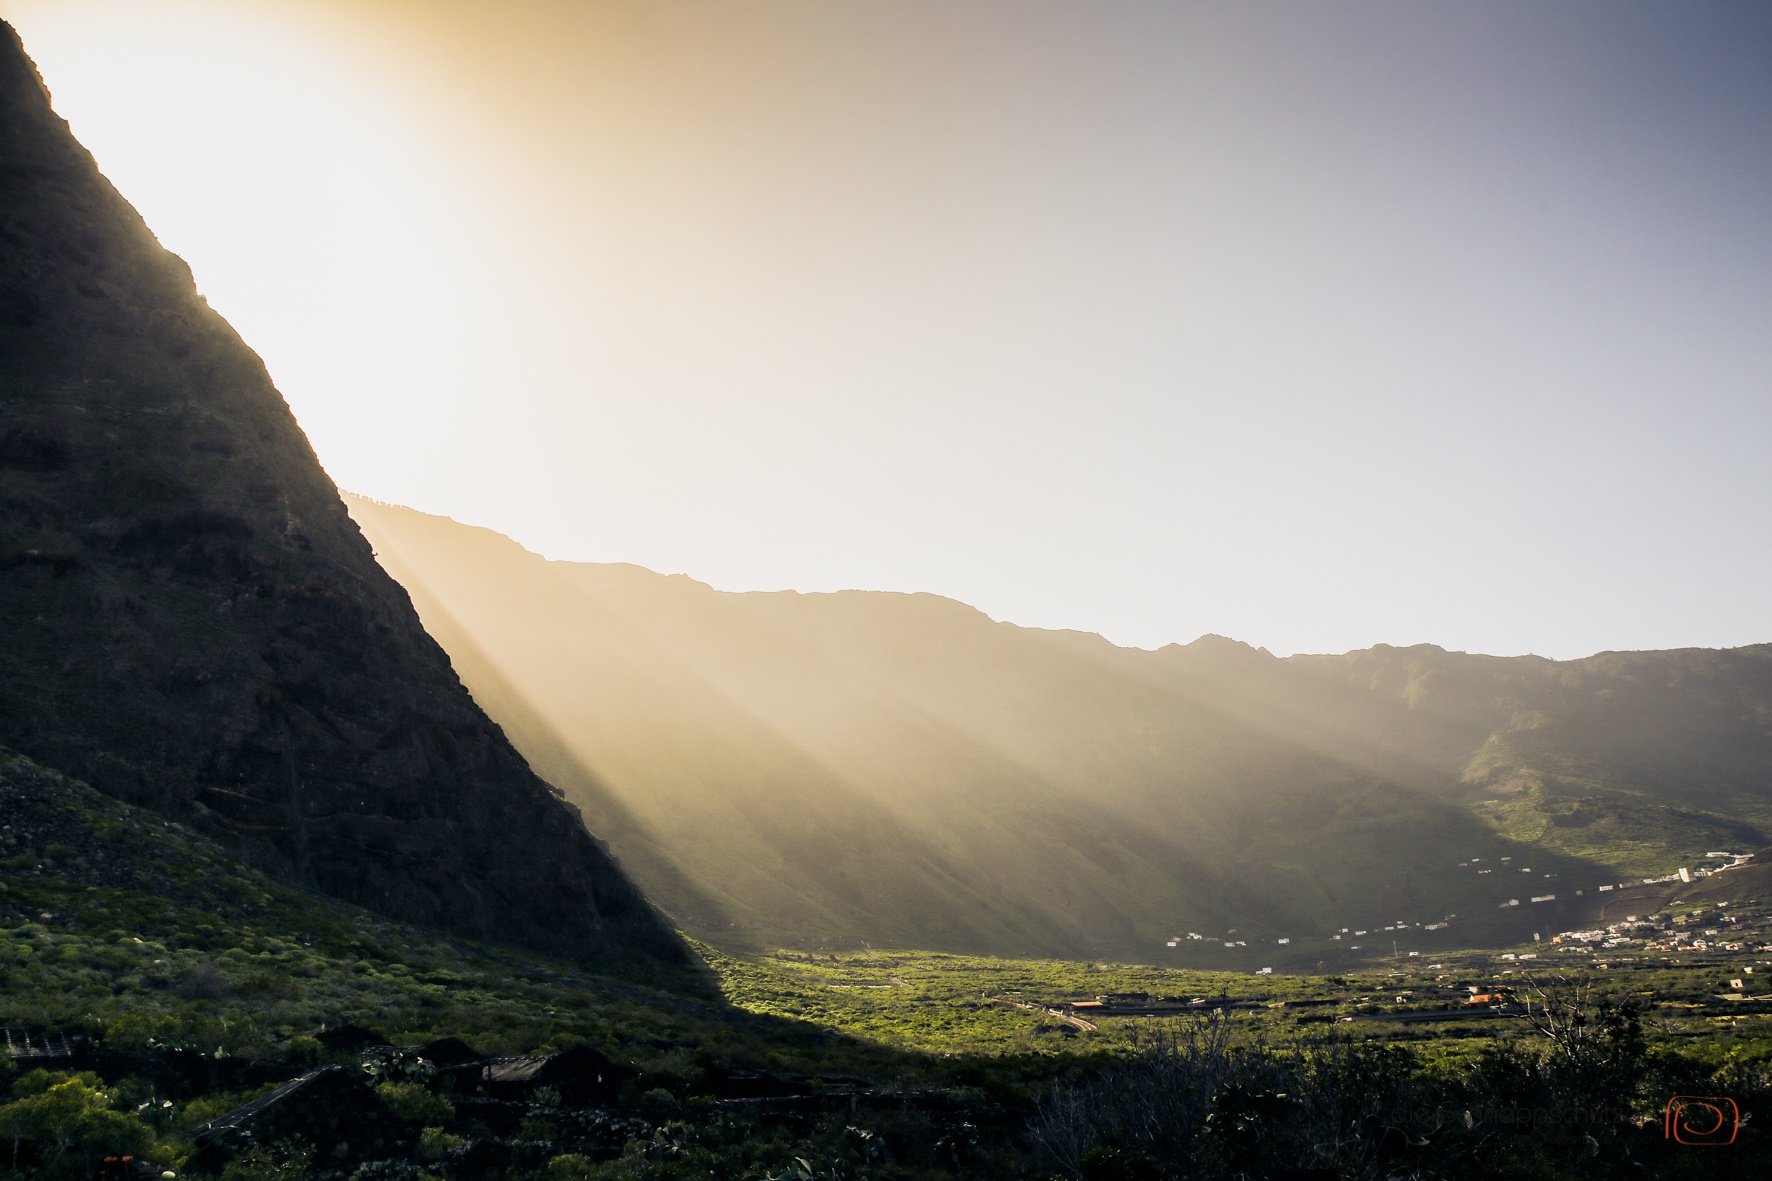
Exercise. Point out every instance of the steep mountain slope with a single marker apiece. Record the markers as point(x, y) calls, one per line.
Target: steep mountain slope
point(190, 620)
point(1638, 760)
point(817, 769)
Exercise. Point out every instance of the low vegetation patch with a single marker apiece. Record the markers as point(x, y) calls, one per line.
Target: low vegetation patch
point(173, 1011)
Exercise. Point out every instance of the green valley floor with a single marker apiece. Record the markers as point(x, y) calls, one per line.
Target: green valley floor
point(168, 1010)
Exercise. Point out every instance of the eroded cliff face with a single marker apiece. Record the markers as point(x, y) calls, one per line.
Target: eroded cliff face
point(190, 620)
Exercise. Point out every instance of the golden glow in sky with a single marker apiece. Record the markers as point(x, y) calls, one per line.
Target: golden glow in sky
point(1315, 325)
point(299, 181)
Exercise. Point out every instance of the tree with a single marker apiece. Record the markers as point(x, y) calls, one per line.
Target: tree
point(65, 1125)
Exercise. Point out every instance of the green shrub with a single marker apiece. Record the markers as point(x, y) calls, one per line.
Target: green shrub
point(204, 1108)
point(282, 1161)
point(435, 1143)
point(65, 1125)
point(571, 1167)
point(306, 1050)
point(535, 1127)
point(411, 1101)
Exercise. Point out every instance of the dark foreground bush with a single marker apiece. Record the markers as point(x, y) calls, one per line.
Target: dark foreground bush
point(1578, 1095)
point(59, 1126)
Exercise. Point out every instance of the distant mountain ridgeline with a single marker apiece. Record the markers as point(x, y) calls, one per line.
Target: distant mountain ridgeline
point(189, 619)
point(820, 769)
point(1635, 760)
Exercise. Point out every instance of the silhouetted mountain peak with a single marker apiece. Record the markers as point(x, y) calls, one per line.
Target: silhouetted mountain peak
point(1213, 649)
point(190, 620)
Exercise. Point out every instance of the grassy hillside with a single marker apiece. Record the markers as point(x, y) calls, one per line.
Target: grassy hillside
point(818, 770)
point(128, 926)
point(189, 985)
point(192, 982)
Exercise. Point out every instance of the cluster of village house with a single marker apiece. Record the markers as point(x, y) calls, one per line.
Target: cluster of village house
point(1649, 934)
point(1683, 874)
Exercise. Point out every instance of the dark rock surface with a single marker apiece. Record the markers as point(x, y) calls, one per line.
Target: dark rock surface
point(448, 1052)
point(190, 621)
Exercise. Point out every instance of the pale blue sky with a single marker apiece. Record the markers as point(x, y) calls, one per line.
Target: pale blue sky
point(1314, 324)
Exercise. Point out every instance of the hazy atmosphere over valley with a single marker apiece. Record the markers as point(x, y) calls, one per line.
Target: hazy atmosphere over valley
point(1316, 326)
point(883, 591)
point(810, 769)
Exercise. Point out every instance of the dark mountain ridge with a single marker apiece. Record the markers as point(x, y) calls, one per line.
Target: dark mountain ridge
point(1687, 727)
point(190, 620)
point(1442, 704)
point(817, 769)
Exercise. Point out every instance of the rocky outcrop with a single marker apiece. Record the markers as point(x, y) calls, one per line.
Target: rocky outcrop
point(189, 619)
